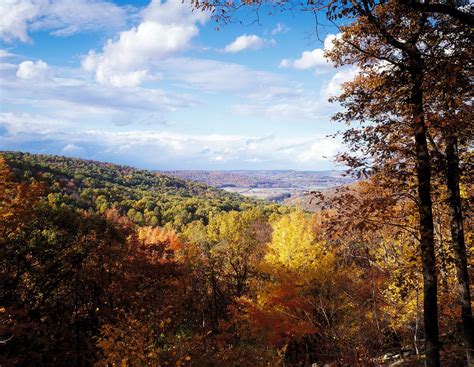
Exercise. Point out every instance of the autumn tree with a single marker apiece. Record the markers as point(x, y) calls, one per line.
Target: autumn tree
point(16, 201)
point(449, 111)
point(146, 289)
point(224, 254)
point(386, 30)
point(380, 94)
point(398, 29)
point(74, 283)
point(56, 287)
point(327, 295)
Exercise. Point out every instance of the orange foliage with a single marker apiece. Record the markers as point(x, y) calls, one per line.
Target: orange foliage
point(284, 314)
point(16, 200)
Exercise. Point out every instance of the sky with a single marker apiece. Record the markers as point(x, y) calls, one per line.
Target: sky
point(155, 85)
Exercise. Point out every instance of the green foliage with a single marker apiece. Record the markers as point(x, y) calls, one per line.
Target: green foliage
point(146, 197)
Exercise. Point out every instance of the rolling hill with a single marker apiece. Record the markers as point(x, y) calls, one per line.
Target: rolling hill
point(148, 198)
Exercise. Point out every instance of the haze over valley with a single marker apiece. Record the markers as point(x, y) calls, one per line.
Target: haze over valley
point(274, 185)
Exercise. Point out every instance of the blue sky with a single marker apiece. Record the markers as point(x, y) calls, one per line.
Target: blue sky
point(154, 85)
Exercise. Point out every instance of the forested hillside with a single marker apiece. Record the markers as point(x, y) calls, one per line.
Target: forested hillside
point(145, 197)
point(105, 265)
point(109, 266)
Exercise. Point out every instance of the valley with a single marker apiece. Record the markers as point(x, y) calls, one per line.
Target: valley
point(282, 186)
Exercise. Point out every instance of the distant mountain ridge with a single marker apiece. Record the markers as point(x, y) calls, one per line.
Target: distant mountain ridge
point(289, 179)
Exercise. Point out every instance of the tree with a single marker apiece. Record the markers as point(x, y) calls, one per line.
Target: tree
point(16, 201)
point(382, 103)
point(460, 10)
point(224, 254)
point(328, 296)
point(449, 96)
point(398, 28)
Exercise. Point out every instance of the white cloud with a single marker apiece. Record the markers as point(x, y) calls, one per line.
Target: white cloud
point(220, 150)
point(329, 41)
point(78, 99)
point(66, 17)
point(314, 59)
point(19, 123)
point(73, 97)
point(308, 60)
point(61, 17)
point(285, 103)
point(166, 28)
point(72, 148)
point(323, 149)
point(176, 150)
point(4, 54)
point(16, 15)
point(333, 87)
point(38, 70)
point(280, 28)
point(245, 42)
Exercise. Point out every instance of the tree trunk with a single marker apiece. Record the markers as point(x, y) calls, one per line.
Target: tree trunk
point(423, 173)
point(459, 246)
point(426, 228)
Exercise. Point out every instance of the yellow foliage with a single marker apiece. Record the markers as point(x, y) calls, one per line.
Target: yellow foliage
point(296, 248)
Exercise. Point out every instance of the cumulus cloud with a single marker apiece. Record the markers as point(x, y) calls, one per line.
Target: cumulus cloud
point(323, 149)
point(16, 16)
point(313, 60)
point(72, 148)
point(246, 42)
point(166, 29)
point(38, 70)
point(61, 17)
point(308, 60)
point(332, 88)
point(78, 99)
